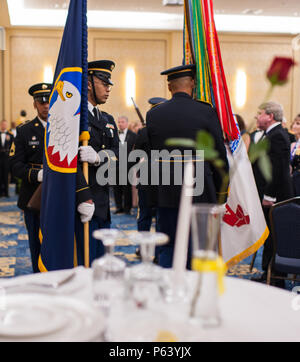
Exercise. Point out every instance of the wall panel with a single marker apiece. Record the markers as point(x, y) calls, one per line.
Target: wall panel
point(29, 50)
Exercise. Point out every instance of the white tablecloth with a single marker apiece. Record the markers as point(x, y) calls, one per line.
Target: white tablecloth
point(250, 311)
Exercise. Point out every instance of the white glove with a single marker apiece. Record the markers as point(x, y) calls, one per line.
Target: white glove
point(86, 211)
point(88, 154)
point(40, 176)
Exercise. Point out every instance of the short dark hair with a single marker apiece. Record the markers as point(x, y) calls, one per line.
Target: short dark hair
point(241, 122)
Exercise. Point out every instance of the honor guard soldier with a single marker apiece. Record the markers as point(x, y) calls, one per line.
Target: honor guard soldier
point(26, 159)
point(146, 202)
point(103, 137)
point(181, 117)
point(155, 101)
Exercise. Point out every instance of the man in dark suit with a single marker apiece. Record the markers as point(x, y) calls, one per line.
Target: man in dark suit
point(26, 161)
point(123, 188)
point(269, 118)
point(103, 137)
point(181, 117)
point(6, 140)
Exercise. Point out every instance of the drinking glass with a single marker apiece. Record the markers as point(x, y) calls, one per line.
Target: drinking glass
point(108, 271)
point(206, 222)
point(145, 281)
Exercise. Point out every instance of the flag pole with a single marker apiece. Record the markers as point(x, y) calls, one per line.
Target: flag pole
point(86, 232)
point(85, 135)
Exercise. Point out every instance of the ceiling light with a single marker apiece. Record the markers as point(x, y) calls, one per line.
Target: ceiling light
point(257, 24)
point(21, 16)
point(252, 11)
point(173, 2)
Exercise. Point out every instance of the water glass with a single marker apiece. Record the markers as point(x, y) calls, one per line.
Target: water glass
point(108, 271)
point(206, 222)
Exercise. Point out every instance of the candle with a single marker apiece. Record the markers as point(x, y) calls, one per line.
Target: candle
point(183, 224)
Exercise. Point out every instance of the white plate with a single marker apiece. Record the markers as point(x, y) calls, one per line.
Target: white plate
point(34, 317)
point(24, 283)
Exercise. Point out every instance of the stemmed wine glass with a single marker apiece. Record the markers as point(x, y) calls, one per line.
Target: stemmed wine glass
point(108, 271)
point(145, 280)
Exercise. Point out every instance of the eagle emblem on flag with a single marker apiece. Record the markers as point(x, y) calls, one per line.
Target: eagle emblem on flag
point(64, 122)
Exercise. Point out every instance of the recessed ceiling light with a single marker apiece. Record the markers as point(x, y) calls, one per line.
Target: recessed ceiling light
point(252, 11)
point(20, 16)
point(172, 2)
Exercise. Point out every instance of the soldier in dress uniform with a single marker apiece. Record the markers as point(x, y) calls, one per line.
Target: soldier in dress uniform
point(26, 161)
point(146, 202)
point(6, 140)
point(103, 137)
point(181, 117)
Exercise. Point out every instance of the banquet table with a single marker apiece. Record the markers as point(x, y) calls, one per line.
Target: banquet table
point(249, 311)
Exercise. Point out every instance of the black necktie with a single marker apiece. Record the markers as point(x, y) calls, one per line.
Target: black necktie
point(121, 132)
point(96, 114)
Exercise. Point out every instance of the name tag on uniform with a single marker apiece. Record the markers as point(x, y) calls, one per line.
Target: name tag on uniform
point(33, 143)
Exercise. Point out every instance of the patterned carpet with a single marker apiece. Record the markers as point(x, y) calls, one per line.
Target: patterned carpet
point(15, 255)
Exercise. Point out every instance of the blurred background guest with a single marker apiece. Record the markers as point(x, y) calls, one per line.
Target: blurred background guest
point(123, 192)
point(290, 134)
point(14, 180)
point(295, 155)
point(13, 128)
point(280, 188)
point(6, 140)
point(134, 126)
point(245, 135)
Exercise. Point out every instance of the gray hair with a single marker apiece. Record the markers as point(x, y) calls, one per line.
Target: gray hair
point(124, 117)
point(275, 108)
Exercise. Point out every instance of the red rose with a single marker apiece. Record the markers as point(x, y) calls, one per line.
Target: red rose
point(279, 70)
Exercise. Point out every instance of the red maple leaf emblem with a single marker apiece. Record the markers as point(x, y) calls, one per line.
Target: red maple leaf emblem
point(237, 218)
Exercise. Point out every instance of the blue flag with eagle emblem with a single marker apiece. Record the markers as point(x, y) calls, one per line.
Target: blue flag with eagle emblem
point(67, 119)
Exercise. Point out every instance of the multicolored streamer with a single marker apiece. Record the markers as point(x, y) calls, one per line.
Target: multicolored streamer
point(201, 47)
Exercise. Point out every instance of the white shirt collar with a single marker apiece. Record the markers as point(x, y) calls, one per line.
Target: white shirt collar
point(125, 132)
point(122, 136)
point(91, 107)
point(42, 122)
point(272, 126)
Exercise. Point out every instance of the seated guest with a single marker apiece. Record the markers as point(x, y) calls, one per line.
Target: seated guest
point(295, 155)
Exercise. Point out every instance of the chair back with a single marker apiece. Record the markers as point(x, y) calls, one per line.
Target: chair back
point(285, 227)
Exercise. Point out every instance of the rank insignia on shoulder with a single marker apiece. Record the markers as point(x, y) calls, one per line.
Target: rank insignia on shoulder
point(12, 149)
point(23, 123)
